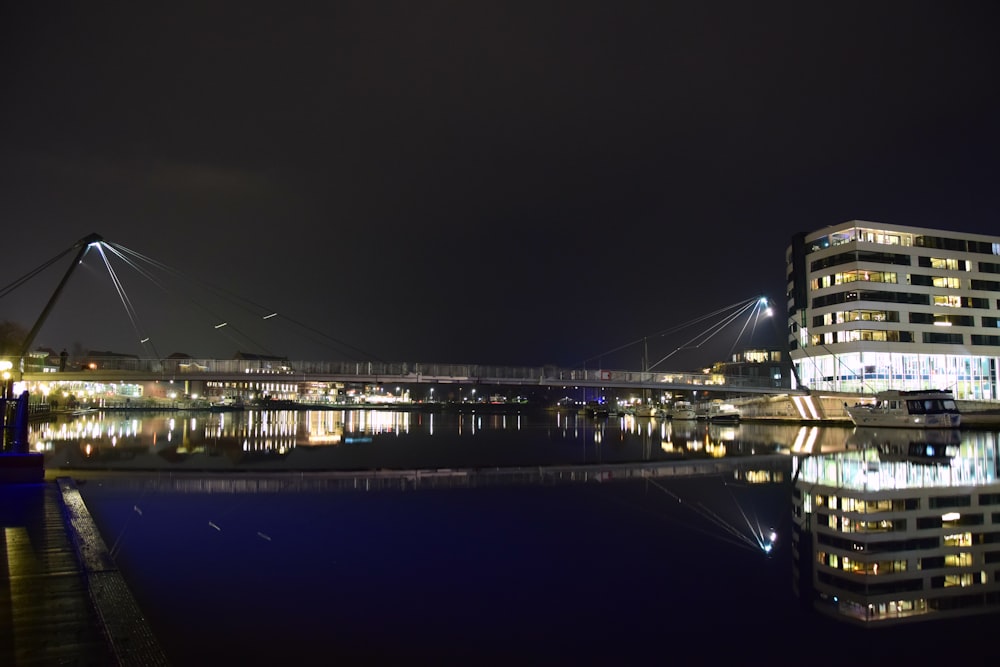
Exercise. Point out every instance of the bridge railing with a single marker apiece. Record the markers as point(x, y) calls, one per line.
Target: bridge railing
point(411, 372)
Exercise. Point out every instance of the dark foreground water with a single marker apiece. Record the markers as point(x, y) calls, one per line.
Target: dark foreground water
point(664, 571)
point(595, 573)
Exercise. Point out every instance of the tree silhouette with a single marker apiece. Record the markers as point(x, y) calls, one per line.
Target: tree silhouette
point(12, 336)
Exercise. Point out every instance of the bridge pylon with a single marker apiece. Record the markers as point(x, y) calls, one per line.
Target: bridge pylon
point(82, 246)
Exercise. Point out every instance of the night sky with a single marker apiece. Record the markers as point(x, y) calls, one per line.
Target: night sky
point(517, 183)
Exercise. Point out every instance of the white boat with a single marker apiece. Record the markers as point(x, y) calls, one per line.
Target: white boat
point(648, 411)
point(682, 410)
point(227, 404)
point(720, 412)
point(930, 408)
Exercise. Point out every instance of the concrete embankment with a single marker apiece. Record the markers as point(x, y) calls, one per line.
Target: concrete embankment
point(830, 409)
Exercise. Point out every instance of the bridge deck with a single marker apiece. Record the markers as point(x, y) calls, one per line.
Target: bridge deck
point(229, 370)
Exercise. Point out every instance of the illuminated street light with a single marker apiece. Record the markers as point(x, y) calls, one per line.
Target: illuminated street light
point(6, 366)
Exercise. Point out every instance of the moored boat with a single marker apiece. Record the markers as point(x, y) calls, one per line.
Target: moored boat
point(929, 408)
point(720, 412)
point(648, 411)
point(227, 404)
point(682, 410)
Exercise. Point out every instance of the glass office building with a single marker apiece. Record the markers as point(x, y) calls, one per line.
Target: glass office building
point(875, 306)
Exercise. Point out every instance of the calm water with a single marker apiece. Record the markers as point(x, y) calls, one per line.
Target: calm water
point(368, 440)
point(590, 573)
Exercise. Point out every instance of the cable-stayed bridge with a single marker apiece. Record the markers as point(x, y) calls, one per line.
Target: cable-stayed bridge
point(116, 369)
point(363, 367)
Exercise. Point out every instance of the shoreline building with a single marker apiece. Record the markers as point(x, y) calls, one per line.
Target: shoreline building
point(874, 306)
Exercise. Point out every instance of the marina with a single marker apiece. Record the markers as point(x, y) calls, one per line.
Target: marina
point(422, 535)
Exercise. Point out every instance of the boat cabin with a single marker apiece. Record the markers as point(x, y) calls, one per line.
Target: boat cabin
point(927, 402)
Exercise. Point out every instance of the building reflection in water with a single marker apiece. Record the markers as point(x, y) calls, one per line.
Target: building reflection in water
point(291, 439)
point(902, 525)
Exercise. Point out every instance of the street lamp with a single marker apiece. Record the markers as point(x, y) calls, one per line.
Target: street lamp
point(5, 366)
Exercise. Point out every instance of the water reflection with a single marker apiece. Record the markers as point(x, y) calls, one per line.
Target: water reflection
point(900, 525)
point(864, 521)
point(387, 439)
point(889, 524)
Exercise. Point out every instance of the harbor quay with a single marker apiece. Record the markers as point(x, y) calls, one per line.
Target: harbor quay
point(62, 599)
point(816, 408)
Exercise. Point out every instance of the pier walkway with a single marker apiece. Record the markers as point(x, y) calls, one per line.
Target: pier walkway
point(62, 600)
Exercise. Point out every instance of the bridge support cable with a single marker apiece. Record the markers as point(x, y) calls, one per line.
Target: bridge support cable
point(364, 355)
point(126, 303)
point(213, 318)
point(709, 333)
point(741, 306)
point(257, 310)
point(7, 289)
point(759, 305)
point(733, 535)
point(763, 541)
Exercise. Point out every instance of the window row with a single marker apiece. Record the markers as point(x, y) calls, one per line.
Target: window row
point(855, 256)
point(878, 335)
point(940, 319)
point(951, 282)
point(892, 278)
point(911, 298)
point(952, 264)
point(841, 278)
point(894, 238)
point(843, 316)
point(855, 566)
point(875, 505)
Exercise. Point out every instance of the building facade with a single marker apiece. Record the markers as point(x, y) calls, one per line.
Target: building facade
point(755, 367)
point(874, 306)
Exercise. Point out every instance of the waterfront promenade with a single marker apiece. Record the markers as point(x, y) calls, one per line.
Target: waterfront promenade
point(62, 599)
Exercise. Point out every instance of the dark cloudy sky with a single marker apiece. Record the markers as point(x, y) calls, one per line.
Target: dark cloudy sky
point(487, 182)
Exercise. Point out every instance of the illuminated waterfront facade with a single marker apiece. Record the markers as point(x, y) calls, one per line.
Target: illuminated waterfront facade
point(881, 539)
point(874, 306)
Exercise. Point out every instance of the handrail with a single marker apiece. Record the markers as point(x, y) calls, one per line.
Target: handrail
point(123, 368)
